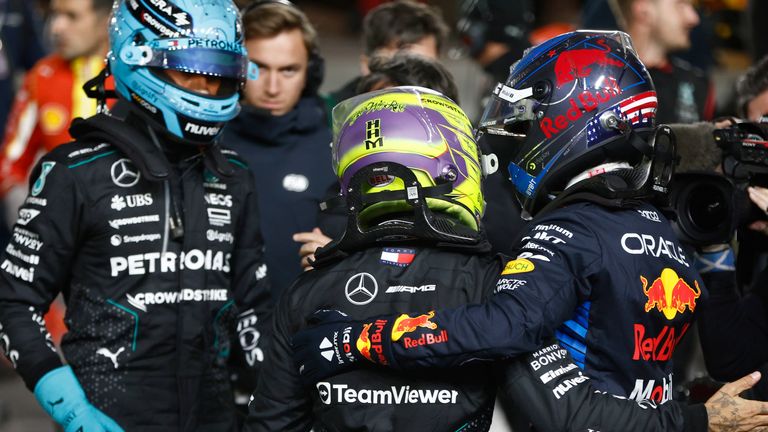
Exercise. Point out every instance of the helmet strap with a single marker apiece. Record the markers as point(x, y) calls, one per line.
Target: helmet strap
point(95, 88)
point(622, 188)
point(422, 223)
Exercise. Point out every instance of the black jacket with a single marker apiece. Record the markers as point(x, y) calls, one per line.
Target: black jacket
point(684, 91)
point(405, 278)
point(150, 310)
point(734, 330)
point(290, 157)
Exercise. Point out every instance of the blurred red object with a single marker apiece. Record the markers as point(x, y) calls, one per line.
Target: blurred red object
point(54, 321)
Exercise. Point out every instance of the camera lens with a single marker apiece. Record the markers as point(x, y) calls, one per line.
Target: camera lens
point(707, 207)
point(704, 203)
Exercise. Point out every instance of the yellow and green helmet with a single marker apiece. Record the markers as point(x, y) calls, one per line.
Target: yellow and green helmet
point(419, 129)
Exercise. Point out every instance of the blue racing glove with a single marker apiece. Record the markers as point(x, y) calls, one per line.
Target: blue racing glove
point(328, 346)
point(62, 397)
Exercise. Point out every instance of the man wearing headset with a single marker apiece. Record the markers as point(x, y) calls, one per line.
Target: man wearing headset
point(148, 228)
point(282, 131)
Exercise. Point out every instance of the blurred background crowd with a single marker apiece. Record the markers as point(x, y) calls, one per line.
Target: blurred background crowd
point(698, 52)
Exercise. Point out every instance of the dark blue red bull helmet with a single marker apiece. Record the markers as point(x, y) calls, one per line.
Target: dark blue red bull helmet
point(576, 102)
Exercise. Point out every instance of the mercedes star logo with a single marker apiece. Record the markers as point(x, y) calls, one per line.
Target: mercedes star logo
point(124, 174)
point(361, 289)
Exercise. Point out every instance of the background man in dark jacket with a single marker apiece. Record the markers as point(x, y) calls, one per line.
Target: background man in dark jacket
point(282, 131)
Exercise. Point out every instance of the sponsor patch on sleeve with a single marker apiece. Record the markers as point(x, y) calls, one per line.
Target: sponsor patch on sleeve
point(520, 265)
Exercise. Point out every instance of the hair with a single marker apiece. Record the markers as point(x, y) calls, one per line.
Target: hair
point(622, 11)
point(270, 19)
point(402, 22)
point(407, 69)
point(102, 5)
point(751, 84)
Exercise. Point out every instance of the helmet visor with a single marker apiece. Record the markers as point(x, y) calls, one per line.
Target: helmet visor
point(193, 55)
point(204, 61)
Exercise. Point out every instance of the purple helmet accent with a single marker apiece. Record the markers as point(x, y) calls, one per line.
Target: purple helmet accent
point(419, 129)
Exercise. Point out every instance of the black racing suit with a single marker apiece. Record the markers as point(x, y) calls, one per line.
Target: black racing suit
point(158, 263)
point(685, 93)
point(614, 285)
point(734, 330)
point(382, 279)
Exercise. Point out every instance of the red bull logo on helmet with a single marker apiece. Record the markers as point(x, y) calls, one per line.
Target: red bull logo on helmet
point(587, 101)
point(670, 294)
point(577, 63)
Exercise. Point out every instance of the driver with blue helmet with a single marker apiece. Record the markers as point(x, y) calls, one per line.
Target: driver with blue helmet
point(147, 226)
point(599, 266)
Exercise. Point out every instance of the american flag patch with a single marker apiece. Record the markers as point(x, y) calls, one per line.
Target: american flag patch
point(639, 108)
point(397, 257)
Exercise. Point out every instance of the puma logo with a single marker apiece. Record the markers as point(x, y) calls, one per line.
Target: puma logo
point(108, 354)
point(53, 404)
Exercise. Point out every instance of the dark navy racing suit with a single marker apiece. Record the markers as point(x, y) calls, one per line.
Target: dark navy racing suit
point(150, 314)
point(613, 284)
point(380, 280)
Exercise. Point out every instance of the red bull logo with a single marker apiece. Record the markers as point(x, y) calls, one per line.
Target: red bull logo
point(670, 294)
point(425, 339)
point(405, 324)
point(659, 347)
point(364, 342)
point(577, 63)
point(369, 343)
point(587, 101)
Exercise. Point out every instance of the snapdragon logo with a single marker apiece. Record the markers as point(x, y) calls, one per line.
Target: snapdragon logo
point(154, 262)
point(342, 394)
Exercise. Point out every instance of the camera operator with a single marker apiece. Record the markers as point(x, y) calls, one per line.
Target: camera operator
point(733, 323)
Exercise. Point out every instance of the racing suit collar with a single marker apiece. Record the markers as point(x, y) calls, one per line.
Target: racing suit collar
point(138, 146)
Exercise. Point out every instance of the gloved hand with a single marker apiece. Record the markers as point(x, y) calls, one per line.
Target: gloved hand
point(62, 397)
point(330, 345)
point(334, 343)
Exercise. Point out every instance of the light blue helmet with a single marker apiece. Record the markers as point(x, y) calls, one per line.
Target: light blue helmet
point(195, 36)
